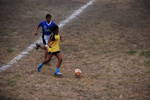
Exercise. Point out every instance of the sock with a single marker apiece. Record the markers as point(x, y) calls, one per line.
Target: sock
point(57, 69)
point(41, 65)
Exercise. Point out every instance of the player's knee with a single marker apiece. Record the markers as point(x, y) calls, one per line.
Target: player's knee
point(49, 59)
point(45, 49)
point(46, 61)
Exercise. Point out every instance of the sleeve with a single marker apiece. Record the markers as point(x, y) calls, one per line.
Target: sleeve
point(54, 24)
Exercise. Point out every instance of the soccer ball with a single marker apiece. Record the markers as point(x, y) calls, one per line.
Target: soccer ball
point(77, 72)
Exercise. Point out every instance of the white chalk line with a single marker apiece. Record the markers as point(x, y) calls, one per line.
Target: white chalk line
point(30, 47)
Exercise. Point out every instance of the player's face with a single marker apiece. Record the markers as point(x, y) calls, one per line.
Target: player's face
point(48, 19)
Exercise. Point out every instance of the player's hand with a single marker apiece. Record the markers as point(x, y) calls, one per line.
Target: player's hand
point(36, 33)
point(46, 46)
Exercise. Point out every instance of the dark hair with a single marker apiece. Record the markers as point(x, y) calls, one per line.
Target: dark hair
point(48, 16)
point(55, 30)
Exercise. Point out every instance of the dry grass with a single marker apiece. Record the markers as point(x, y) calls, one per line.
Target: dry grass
point(107, 42)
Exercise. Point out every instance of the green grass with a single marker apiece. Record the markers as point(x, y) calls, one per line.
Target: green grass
point(131, 52)
point(10, 50)
point(4, 33)
point(147, 63)
point(145, 54)
point(11, 82)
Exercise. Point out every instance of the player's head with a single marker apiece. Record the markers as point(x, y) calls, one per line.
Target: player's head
point(55, 30)
point(48, 17)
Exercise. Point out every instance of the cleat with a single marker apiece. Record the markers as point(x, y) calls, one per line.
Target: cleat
point(58, 74)
point(37, 46)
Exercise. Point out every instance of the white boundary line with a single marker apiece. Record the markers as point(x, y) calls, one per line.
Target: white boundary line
point(30, 48)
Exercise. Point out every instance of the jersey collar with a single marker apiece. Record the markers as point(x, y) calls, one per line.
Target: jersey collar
point(48, 23)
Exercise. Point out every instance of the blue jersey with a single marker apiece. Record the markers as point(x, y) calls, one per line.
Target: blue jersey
point(46, 27)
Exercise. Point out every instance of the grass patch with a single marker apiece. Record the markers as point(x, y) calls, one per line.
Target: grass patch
point(4, 33)
point(147, 63)
point(10, 50)
point(5, 97)
point(11, 82)
point(131, 52)
point(145, 54)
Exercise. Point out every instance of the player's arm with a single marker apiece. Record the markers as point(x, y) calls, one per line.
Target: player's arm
point(61, 38)
point(37, 29)
point(49, 42)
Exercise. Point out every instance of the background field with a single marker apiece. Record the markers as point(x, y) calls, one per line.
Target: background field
point(109, 42)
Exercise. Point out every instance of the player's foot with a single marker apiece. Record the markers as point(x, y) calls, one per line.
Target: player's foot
point(39, 67)
point(37, 46)
point(58, 74)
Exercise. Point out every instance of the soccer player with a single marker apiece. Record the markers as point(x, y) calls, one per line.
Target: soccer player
point(53, 50)
point(46, 32)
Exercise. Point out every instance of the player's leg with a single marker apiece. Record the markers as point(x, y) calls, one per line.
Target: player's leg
point(49, 56)
point(40, 46)
point(46, 39)
point(58, 65)
point(44, 48)
point(59, 57)
point(45, 53)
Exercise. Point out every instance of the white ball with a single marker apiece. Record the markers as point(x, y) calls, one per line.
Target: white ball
point(77, 72)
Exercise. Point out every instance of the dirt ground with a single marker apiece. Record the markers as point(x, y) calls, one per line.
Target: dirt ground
point(109, 42)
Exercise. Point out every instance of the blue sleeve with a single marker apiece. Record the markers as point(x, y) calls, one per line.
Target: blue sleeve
point(54, 24)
